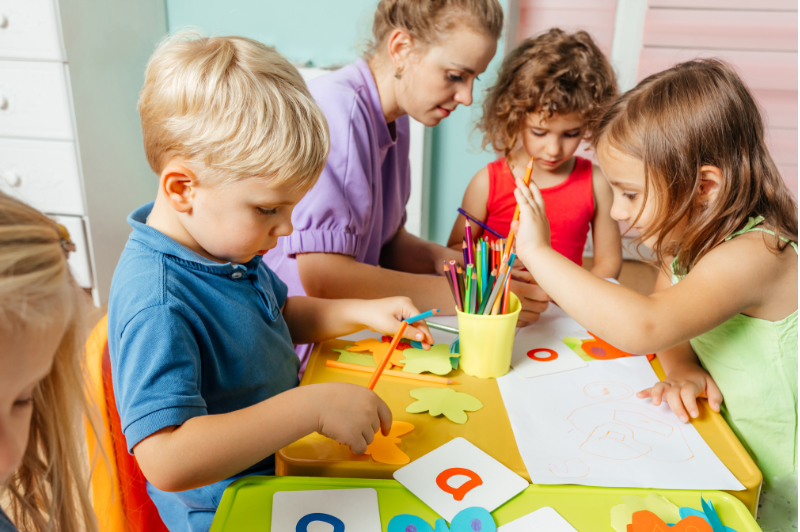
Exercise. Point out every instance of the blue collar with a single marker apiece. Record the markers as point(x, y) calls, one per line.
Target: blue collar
point(158, 241)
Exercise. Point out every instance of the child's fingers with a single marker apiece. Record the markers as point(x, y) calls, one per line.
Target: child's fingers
point(537, 195)
point(385, 417)
point(358, 446)
point(655, 393)
point(676, 404)
point(527, 200)
point(714, 394)
point(689, 398)
point(419, 332)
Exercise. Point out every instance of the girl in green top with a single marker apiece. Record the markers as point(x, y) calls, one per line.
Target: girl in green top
point(684, 153)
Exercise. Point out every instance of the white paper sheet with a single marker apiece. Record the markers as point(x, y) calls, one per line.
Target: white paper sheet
point(587, 427)
point(542, 520)
point(539, 349)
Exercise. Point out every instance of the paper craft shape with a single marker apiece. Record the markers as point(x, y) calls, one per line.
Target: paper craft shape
point(378, 350)
point(539, 349)
point(646, 521)
point(355, 358)
point(437, 401)
point(544, 519)
point(436, 360)
point(351, 510)
point(622, 514)
point(386, 449)
point(454, 350)
point(594, 424)
point(686, 512)
point(470, 520)
point(460, 462)
point(711, 515)
point(402, 346)
point(602, 350)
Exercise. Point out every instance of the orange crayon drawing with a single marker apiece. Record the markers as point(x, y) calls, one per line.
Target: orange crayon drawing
point(623, 431)
point(573, 468)
point(608, 391)
point(552, 354)
point(459, 492)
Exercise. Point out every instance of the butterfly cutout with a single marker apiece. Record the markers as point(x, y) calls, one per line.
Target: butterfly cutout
point(355, 358)
point(435, 360)
point(386, 449)
point(378, 350)
point(473, 519)
point(647, 521)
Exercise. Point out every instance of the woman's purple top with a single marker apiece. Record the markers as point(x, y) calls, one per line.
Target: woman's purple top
point(359, 202)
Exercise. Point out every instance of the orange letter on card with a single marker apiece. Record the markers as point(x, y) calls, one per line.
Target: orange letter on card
point(459, 492)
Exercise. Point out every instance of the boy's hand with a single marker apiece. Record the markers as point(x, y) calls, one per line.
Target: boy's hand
point(384, 316)
point(681, 389)
point(533, 229)
point(351, 414)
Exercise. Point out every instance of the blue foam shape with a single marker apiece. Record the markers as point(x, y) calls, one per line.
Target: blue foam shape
point(473, 519)
point(685, 511)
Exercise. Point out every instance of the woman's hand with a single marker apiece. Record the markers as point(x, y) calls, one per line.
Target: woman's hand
point(384, 316)
point(533, 229)
point(682, 387)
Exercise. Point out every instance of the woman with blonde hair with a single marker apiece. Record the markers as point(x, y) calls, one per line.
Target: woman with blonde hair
point(43, 476)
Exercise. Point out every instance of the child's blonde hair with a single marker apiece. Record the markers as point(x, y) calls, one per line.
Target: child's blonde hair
point(50, 490)
point(233, 107)
point(555, 72)
point(676, 121)
point(428, 21)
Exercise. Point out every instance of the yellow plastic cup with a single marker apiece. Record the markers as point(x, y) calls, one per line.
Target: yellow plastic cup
point(485, 342)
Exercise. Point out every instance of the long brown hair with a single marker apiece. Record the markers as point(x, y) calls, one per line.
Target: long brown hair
point(676, 121)
point(50, 490)
point(555, 72)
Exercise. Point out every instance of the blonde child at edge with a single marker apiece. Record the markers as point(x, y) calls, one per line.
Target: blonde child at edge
point(549, 91)
point(684, 153)
point(43, 476)
point(200, 330)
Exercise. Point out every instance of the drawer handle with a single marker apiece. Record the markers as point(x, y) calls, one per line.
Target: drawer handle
point(12, 178)
point(3, 103)
point(3, 21)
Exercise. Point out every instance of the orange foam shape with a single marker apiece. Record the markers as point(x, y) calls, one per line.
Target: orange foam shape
point(378, 350)
point(602, 350)
point(386, 449)
point(646, 521)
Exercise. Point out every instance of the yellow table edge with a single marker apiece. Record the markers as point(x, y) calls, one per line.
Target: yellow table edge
point(711, 425)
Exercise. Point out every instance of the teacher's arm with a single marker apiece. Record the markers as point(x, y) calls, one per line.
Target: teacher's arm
point(409, 253)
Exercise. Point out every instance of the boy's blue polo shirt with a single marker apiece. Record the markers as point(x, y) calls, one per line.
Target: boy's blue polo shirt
point(191, 337)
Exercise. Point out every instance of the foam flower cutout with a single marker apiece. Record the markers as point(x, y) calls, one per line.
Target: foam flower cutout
point(378, 350)
point(473, 519)
point(647, 521)
point(436, 360)
point(386, 449)
point(355, 358)
point(437, 401)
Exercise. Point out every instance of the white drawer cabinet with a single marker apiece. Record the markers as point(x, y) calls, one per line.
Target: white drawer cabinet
point(29, 30)
point(34, 100)
point(42, 173)
point(70, 138)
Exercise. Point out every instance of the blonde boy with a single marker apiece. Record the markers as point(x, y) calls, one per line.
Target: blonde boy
point(200, 330)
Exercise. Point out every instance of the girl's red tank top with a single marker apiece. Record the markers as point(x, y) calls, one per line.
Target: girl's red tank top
point(569, 206)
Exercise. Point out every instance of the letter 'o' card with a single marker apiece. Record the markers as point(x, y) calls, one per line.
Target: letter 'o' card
point(351, 510)
point(544, 519)
point(458, 475)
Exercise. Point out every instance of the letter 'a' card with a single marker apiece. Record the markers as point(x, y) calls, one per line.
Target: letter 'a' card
point(458, 475)
point(354, 510)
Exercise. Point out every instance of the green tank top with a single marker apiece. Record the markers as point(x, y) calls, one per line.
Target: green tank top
point(754, 363)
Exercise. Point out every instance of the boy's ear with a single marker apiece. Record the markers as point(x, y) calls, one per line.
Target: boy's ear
point(178, 183)
point(400, 43)
point(710, 179)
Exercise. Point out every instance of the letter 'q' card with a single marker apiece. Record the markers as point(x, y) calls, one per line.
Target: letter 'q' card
point(351, 510)
point(458, 475)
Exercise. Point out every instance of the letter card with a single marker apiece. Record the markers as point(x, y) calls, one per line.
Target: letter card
point(353, 510)
point(457, 476)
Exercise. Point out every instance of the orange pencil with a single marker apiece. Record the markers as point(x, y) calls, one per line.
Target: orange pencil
point(505, 297)
point(526, 180)
point(382, 366)
point(390, 372)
